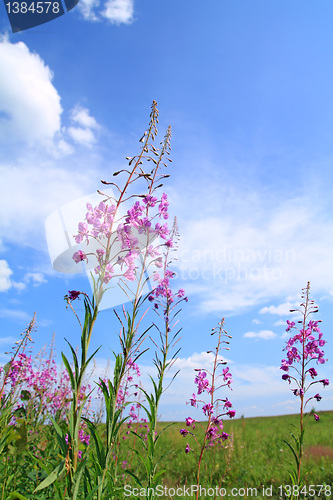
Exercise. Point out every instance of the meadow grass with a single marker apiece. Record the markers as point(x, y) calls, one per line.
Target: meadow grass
point(257, 457)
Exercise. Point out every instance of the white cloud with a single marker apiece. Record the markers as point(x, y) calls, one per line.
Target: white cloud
point(36, 278)
point(239, 251)
point(119, 11)
point(38, 196)
point(15, 314)
point(82, 116)
point(29, 103)
point(87, 9)
point(82, 135)
point(280, 310)
point(256, 321)
point(263, 334)
point(5, 274)
point(5, 278)
point(84, 126)
point(115, 11)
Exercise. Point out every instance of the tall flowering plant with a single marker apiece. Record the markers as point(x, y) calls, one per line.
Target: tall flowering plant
point(214, 408)
point(303, 350)
point(124, 245)
point(166, 302)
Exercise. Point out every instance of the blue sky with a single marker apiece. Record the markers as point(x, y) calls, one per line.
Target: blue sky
point(247, 89)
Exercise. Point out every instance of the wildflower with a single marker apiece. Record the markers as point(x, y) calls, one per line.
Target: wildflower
point(303, 348)
point(149, 201)
point(73, 294)
point(207, 409)
point(188, 449)
point(79, 256)
point(190, 422)
point(290, 324)
point(163, 207)
point(183, 432)
point(313, 372)
point(227, 403)
point(193, 400)
point(226, 374)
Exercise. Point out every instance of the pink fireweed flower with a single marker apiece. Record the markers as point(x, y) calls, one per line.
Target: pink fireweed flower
point(163, 207)
point(83, 232)
point(315, 416)
point(226, 374)
point(231, 413)
point(193, 400)
point(202, 382)
point(190, 422)
point(188, 449)
point(227, 404)
point(313, 372)
point(73, 294)
point(208, 409)
point(149, 200)
point(79, 256)
point(290, 324)
point(162, 231)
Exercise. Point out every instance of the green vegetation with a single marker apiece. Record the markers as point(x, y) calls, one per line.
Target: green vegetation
point(256, 458)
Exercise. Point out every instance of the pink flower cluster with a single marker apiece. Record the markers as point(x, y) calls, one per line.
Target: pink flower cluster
point(99, 226)
point(214, 431)
point(34, 385)
point(163, 292)
point(304, 348)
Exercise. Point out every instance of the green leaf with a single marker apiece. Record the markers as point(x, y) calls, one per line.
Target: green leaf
point(293, 451)
point(52, 477)
point(134, 477)
point(16, 496)
point(158, 474)
point(69, 371)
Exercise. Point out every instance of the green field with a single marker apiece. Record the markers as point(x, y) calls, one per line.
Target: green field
point(256, 459)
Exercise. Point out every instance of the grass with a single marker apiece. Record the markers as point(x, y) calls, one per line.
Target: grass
point(257, 457)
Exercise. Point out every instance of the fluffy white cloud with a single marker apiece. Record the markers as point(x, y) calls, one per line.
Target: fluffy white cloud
point(36, 278)
point(82, 117)
point(263, 334)
point(5, 278)
point(84, 126)
point(280, 322)
point(237, 251)
point(280, 310)
point(115, 11)
point(82, 135)
point(29, 103)
point(5, 274)
point(37, 196)
point(119, 11)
